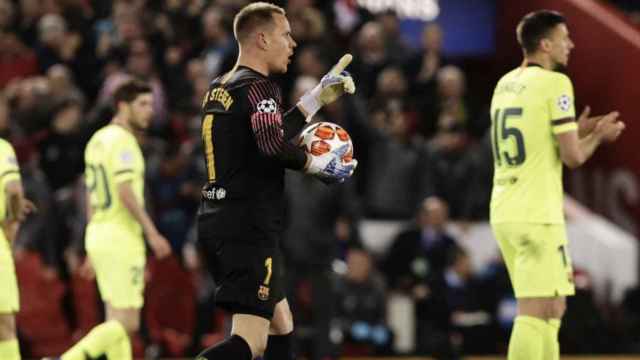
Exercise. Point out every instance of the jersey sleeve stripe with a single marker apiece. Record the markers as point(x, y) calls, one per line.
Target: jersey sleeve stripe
point(261, 90)
point(268, 132)
point(9, 172)
point(125, 171)
point(562, 121)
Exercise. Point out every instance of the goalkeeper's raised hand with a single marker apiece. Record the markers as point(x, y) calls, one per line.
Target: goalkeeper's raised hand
point(330, 168)
point(335, 83)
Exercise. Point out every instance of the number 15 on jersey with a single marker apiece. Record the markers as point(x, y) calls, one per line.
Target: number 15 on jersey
point(503, 129)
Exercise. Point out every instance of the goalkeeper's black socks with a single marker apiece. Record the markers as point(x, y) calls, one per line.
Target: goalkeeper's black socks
point(279, 347)
point(234, 348)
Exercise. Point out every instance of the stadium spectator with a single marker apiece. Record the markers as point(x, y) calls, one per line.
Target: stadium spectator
point(423, 66)
point(420, 252)
point(360, 308)
point(370, 58)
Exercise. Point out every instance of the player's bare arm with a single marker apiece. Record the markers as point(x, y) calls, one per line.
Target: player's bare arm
point(586, 123)
point(158, 243)
point(575, 151)
point(18, 207)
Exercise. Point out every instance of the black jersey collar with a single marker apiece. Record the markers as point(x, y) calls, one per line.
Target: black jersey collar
point(530, 64)
point(252, 70)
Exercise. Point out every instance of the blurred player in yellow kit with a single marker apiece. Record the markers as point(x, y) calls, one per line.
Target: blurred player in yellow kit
point(13, 209)
point(114, 176)
point(534, 132)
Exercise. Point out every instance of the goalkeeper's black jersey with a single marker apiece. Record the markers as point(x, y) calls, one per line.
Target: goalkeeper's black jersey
point(245, 139)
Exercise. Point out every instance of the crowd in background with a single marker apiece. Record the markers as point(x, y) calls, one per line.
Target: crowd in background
point(419, 135)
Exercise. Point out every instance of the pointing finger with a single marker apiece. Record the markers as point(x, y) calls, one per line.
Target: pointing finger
point(344, 61)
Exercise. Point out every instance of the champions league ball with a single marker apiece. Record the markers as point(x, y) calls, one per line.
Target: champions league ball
point(323, 137)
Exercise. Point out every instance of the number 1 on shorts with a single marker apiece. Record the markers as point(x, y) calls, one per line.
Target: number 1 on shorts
point(268, 263)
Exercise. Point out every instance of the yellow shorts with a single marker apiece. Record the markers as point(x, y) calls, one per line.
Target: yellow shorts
point(119, 270)
point(9, 295)
point(537, 258)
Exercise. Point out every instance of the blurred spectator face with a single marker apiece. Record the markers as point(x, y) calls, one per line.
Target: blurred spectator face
point(30, 8)
point(432, 38)
point(6, 14)
point(390, 24)
point(309, 63)
point(307, 24)
point(358, 265)
point(126, 21)
point(212, 25)
point(371, 39)
point(30, 91)
point(52, 29)
point(451, 82)
point(140, 62)
point(391, 83)
point(462, 265)
point(67, 119)
point(59, 79)
point(434, 213)
point(10, 44)
point(196, 70)
point(51, 7)
point(397, 122)
point(129, 29)
point(173, 4)
point(294, 5)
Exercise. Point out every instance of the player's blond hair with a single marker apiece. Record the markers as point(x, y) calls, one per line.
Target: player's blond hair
point(253, 16)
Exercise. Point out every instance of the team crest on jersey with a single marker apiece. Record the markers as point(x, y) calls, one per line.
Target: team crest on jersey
point(268, 106)
point(564, 102)
point(263, 293)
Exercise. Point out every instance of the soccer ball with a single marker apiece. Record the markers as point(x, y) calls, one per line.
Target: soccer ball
point(323, 137)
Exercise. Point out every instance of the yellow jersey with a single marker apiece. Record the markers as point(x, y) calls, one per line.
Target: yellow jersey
point(112, 157)
point(530, 105)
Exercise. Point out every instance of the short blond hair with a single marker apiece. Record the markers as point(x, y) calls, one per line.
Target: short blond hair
point(252, 16)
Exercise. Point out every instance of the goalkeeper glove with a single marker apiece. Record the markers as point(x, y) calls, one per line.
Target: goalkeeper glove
point(329, 168)
point(335, 83)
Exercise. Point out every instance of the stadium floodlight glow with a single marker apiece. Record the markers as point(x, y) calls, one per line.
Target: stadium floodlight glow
point(426, 10)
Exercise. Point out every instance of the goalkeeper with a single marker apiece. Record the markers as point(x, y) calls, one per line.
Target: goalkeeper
point(246, 145)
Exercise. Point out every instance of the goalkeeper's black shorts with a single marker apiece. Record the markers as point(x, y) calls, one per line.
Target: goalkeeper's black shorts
point(245, 261)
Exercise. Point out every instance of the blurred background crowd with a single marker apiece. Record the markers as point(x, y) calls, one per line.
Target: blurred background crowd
point(419, 124)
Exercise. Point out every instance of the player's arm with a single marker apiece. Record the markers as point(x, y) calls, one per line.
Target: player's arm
point(123, 164)
point(88, 210)
point(158, 243)
point(575, 151)
point(333, 85)
point(269, 128)
point(293, 122)
point(576, 144)
point(18, 207)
